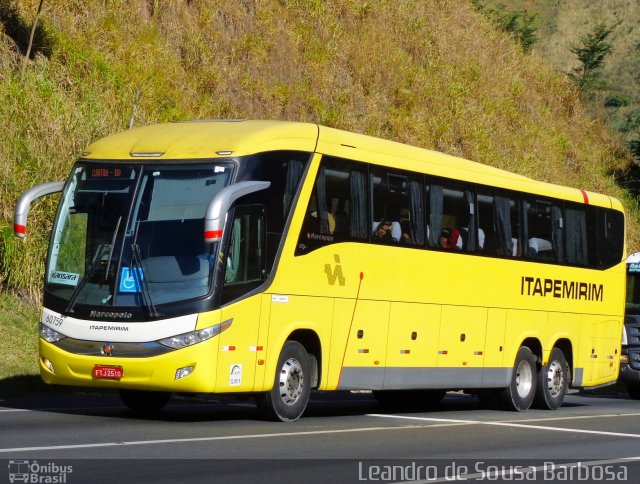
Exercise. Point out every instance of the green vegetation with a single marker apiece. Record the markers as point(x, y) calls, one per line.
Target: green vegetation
point(570, 35)
point(520, 24)
point(434, 73)
point(591, 52)
point(18, 345)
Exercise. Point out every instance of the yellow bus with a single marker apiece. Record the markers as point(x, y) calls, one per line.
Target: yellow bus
point(274, 258)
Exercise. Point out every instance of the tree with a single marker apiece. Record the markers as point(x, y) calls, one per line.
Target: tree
point(33, 31)
point(521, 25)
point(591, 52)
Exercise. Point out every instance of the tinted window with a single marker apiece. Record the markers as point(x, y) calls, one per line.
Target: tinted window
point(337, 209)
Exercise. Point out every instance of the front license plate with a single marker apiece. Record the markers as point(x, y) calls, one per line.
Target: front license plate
point(103, 372)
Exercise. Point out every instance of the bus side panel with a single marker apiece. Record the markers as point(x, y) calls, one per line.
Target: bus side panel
point(365, 353)
point(599, 350)
point(288, 314)
point(412, 345)
point(494, 374)
point(461, 346)
point(520, 326)
point(261, 380)
point(562, 326)
point(238, 346)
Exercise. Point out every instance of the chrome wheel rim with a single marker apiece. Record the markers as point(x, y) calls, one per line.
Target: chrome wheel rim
point(524, 379)
point(555, 378)
point(291, 382)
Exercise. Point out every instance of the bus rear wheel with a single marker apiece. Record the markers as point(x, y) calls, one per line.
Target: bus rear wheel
point(553, 379)
point(144, 403)
point(519, 395)
point(292, 385)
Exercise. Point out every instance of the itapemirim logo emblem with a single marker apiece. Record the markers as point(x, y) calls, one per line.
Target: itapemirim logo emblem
point(335, 273)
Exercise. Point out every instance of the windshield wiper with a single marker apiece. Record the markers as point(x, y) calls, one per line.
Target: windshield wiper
point(136, 260)
point(104, 248)
point(92, 268)
point(144, 286)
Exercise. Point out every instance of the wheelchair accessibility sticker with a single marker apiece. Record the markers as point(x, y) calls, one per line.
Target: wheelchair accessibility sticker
point(130, 279)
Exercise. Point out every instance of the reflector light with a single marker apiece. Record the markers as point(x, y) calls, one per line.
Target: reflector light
point(19, 230)
point(212, 235)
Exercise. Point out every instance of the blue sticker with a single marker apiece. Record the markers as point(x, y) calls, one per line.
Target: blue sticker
point(130, 281)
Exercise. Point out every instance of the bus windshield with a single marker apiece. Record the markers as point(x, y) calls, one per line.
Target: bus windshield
point(133, 235)
point(633, 289)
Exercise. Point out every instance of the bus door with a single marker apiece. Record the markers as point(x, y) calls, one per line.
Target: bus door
point(243, 272)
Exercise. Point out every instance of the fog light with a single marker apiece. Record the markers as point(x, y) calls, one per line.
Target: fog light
point(48, 365)
point(624, 358)
point(183, 372)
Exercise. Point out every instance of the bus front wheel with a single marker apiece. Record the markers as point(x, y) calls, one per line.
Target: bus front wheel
point(553, 379)
point(144, 403)
point(519, 394)
point(292, 385)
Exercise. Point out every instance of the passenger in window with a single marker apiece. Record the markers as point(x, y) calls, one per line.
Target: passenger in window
point(382, 233)
point(405, 229)
point(444, 239)
point(450, 239)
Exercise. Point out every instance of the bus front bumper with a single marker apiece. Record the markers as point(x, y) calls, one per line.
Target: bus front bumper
point(190, 369)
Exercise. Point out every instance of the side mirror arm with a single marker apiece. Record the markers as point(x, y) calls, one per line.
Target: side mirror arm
point(24, 202)
point(216, 213)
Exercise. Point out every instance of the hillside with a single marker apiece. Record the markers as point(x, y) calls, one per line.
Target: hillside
point(560, 26)
point(433, 73)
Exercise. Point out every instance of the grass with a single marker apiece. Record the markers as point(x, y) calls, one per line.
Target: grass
point(18, 347)
point(435, 74)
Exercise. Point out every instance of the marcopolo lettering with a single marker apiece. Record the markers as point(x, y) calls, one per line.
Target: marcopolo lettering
point(561, 289)
point(110, 314)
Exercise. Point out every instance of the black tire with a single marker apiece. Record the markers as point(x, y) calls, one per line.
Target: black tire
point(409, 399)
point(518, 396)
point(144, 403)
point(289, 396)
point(634, 390)
point(553, 380)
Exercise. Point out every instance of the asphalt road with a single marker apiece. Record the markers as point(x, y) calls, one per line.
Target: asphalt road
point(342, 438)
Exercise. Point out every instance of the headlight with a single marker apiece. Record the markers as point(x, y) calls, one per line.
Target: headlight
point(50, 335)
point(193, 337)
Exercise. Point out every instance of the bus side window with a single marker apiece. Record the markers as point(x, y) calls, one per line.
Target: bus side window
point(576, 235)
point(543, 231)
point(337, 209)
point(499, 224)
point(452, 217)
point(244, 262)
point(610, 233)
point(394, 209)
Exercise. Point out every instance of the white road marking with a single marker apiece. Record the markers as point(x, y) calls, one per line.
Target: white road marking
point(506, 424)
point(204, 439)
point(437, 422)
